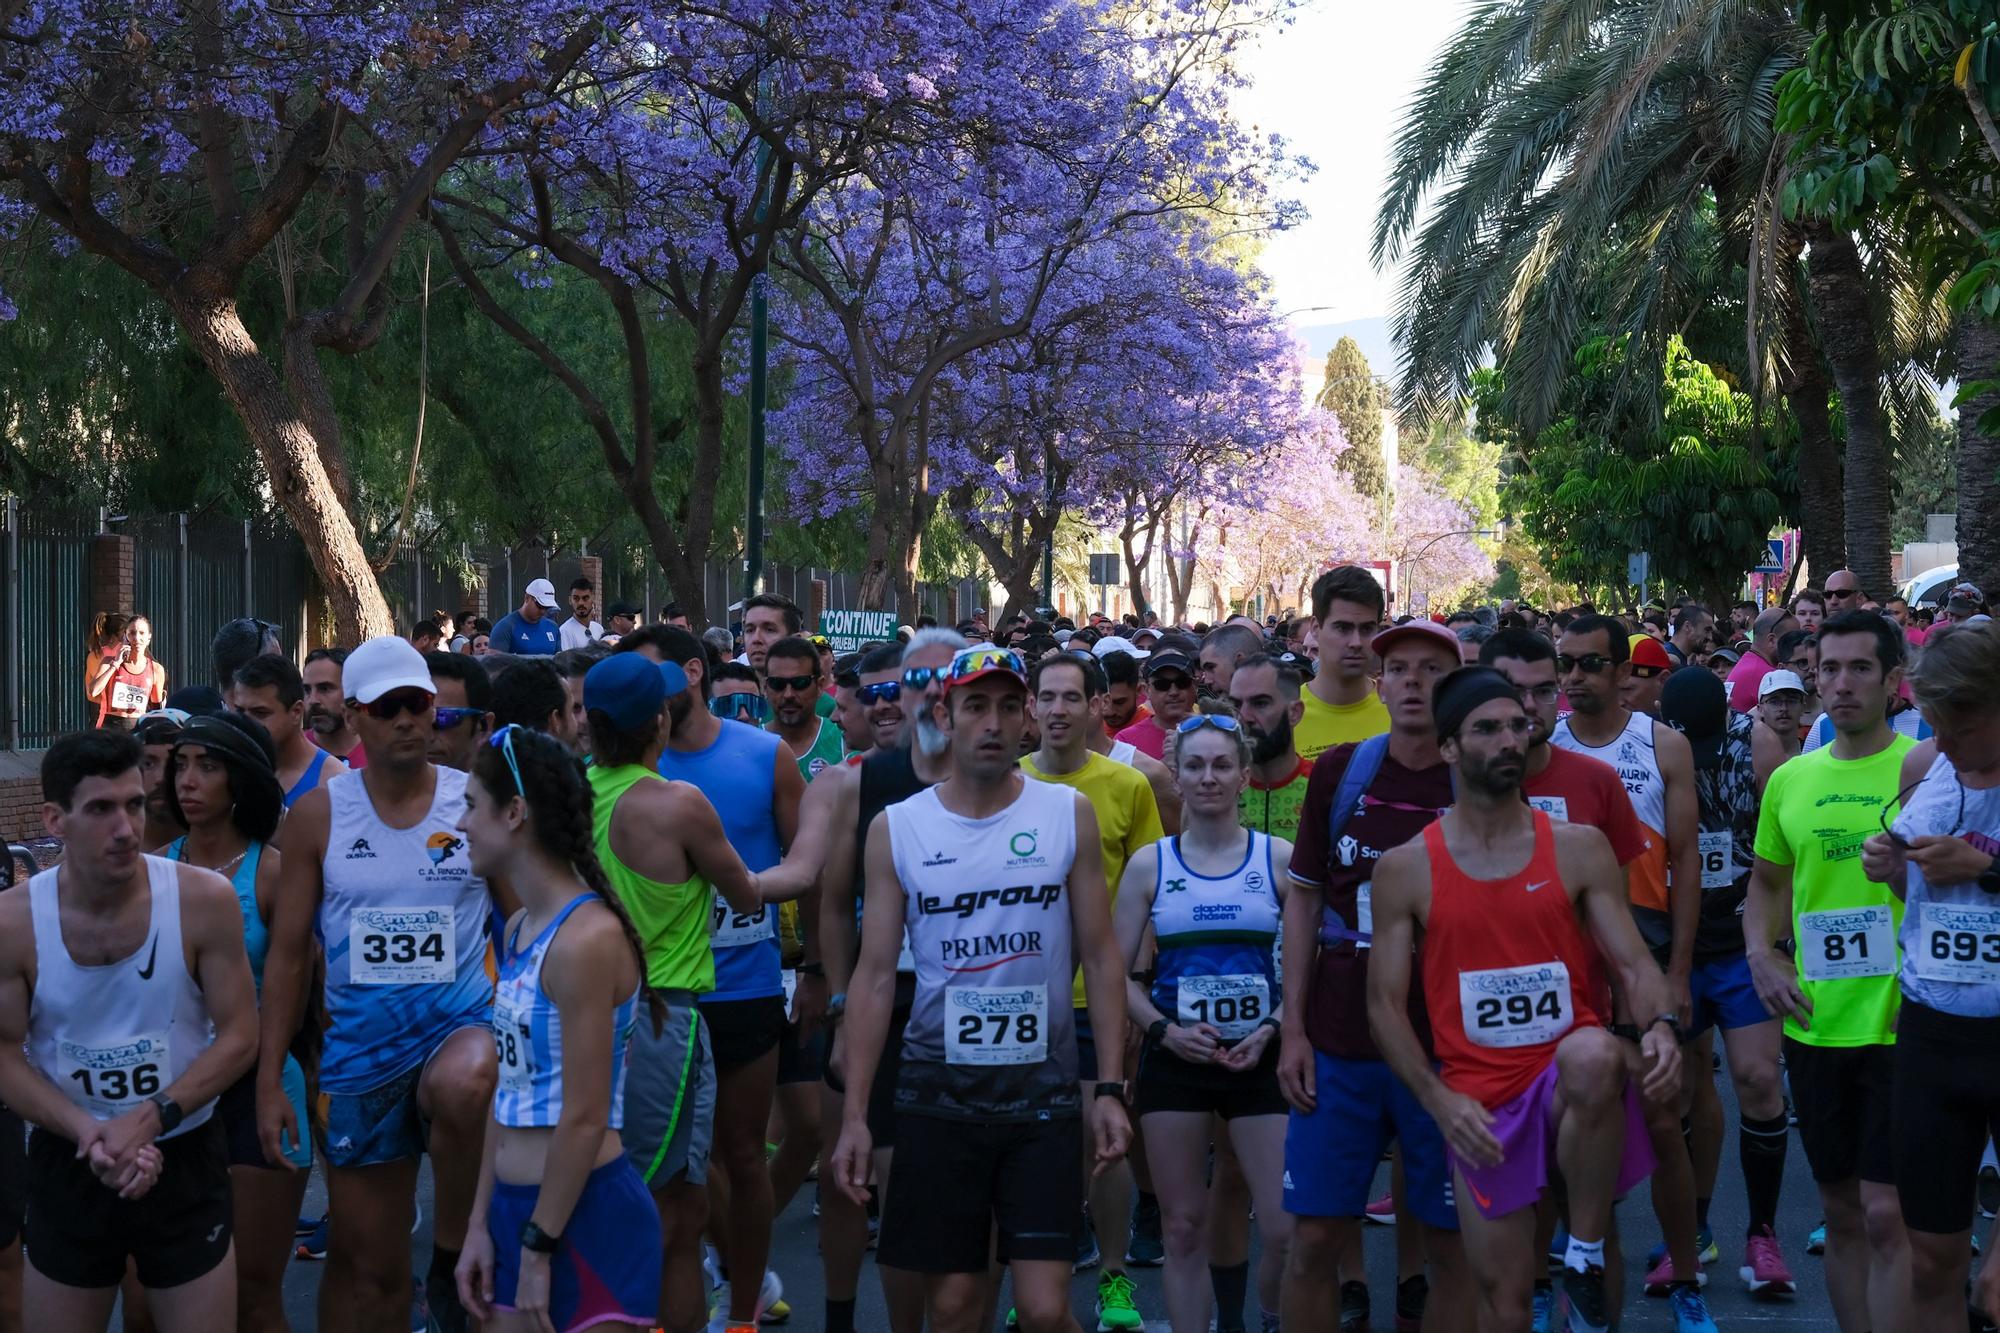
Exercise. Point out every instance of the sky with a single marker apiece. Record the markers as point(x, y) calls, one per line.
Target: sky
point(1334, 83)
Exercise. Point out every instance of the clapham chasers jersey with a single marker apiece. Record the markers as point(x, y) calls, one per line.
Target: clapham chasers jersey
point(992, 1034)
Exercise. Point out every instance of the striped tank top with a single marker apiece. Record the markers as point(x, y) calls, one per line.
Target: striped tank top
point(527, 1036)
point(1216, 934)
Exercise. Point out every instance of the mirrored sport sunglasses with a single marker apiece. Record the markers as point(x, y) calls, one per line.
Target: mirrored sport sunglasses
point(882, 692)
point(161, 725)
point(733, 706)
point(1196, 721)
point(449, 718)
point(398, 701)
point(969, 662)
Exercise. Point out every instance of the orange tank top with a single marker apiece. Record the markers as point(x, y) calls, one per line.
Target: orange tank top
point(1507, 970)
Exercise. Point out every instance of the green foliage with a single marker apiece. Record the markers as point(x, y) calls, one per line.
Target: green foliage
point(1465, 466)
point(1600, 482)
point(1350, 392)
point(1926, 474)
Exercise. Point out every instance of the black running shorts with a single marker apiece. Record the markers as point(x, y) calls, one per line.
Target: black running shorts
point(954, 1181)
point(1168, 1083)
point(13, 1176)
point(1842, 1095)
point(741, 1032)
point(1945, 1107)
point(80, 1233)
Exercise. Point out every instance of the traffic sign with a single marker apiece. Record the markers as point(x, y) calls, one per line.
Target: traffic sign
point(1104, 570)
point(850, 631)
point(1636, 565)
point(1774, 557)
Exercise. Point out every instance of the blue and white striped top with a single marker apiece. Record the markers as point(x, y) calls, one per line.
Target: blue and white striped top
point(1216, 936)
point(527, 1035)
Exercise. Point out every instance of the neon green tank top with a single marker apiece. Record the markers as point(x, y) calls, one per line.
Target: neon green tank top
point(673, 920)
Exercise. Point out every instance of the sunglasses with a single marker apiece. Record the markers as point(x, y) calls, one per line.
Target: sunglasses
point(1902, 798)
point(791, 684)
point(921, 678)
point(887, 691)
point(1590, 664)
point(1173, 680)
point(734, 705)
point(1196, 721)
point(397, 701)
point(504, 738)
point(449, 718)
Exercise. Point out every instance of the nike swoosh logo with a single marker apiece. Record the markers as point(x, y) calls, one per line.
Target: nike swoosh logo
point(1477, 1197)
point(1536, 885)
point(152, 954)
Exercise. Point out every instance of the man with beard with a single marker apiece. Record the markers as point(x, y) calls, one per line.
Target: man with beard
point(326, 708)
point(269, 692)
point(157, 732)
point(1061, 693)
point(464, 710)
point(1265, 693)
point(1123, 702)
point(1694, 635)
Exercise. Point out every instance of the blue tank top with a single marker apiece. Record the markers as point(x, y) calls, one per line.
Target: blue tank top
point(256, 936)
point(1216, 936)
point(307, 780)
point(527, 1033)
point(737, 773)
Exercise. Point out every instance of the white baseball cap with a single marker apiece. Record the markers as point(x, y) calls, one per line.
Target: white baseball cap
point(381, 665)
point(544, 592)
point(1113, 643)
point(1780, 679)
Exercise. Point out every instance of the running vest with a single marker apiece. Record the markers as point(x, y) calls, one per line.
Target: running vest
point(527, 1036)
point(673, 920)
point(737, 773)
point(886, 778)
point(112, 1036)
point(824, 752)
point(1951, 932)
point(307, 780)
point(404, 923)
point(992, 1035)
point(256, 936)
point(1122, 752)
point(1275, 809)
point(128, 693)
point(1631, 755)
point(1507, 970)
point(1215, 936)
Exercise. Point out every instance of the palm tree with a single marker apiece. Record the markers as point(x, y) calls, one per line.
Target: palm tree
point(1558, 141)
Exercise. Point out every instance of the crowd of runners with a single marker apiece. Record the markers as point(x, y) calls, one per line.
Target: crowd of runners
point(1030, 948)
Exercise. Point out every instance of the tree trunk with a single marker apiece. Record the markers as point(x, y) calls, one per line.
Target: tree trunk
point(1808, 392)
point(291, 457)
point(1137, 557)
point(1978, 460)
point(1847, 334)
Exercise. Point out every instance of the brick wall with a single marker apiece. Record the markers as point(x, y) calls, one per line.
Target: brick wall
point(111, 574)
point(21, 807)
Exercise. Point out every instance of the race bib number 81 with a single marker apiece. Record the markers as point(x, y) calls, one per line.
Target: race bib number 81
point(1846, 944)
point(402, 946)
point(996, 1026)
point(1516, 1006)
point(1956, 943)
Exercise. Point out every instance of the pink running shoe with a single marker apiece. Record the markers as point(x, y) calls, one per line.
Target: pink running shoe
point(1382, 1211)
point(1764, 1270)
point(1661, 1279)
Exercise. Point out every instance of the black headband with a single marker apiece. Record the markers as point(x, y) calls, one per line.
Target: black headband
point(1463, 692)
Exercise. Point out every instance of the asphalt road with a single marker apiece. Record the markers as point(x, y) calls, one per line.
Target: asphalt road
point(795, 1256)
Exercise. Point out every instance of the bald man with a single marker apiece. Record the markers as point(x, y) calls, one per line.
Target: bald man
point(1772, 624)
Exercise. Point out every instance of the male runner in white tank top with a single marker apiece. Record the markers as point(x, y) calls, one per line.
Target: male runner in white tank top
point(375, 867)
point(114, 967)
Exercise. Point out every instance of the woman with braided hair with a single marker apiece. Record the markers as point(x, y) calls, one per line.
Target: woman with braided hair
point(570, 1236)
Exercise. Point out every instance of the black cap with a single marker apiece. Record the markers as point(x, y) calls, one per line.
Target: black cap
point(1170, 659)
point(1695, 704)
point(622, 609)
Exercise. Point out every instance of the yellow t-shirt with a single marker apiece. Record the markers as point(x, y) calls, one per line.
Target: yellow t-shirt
point(1326, 725)
point(1127, 816)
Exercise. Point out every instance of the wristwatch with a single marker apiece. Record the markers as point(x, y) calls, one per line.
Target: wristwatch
point(1673, 1023)
point(170, 1111)
point(1157, 1033)
point(1110, 1090)
point(535, 1239)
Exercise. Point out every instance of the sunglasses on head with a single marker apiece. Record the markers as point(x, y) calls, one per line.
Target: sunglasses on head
point(397, 701)
point(1196, 721)
point(792, 684)
point(449, 718)
point(971, 661)
point(734, 705)
point(1590, 664)
point(504, 738)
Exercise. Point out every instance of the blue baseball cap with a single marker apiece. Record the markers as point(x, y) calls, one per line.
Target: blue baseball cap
point(673, 678)
point(628, 688)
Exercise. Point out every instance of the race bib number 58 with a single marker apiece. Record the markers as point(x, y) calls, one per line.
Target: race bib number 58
point(997, 1025)
point(1516, 1006)
point(402, 946)
point(1846, 944)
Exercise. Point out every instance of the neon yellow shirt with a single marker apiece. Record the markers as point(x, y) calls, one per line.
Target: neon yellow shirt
point(1817, 812)
point(1128, 818)
point(1326, 725)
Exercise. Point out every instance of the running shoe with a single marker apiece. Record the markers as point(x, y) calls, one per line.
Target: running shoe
point(1704, 1250)
point(1117, 1303)
point(1411, 1294)
point(770, 1293)
point(308, 1225)
point(1544, 1307)
point(1145, 1249)
point(1088, 1256)
point(1989, 1189)
point(779, 1313)
point(1353, 1307)
point(1816, 1240)
point(1764, 1270)
point(313, 1248)
point(1583, 1304)
point(1660, 1277)
point(1690, 1311)
point(1382, 1211)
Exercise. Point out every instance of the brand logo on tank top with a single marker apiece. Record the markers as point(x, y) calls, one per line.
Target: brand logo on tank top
point(152, 955)
point(1254, 881)
point(1022, 845)
point(359, 851)
point(1176, 886)
point(940, 859)
point(965, 904)
point(983, 953)
point(1347, 849)
point(441, 846)
point(1217, 912)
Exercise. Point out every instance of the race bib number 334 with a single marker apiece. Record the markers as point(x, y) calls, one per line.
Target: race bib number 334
point(402, 946)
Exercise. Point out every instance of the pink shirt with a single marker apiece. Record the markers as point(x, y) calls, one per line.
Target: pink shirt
point(1744, 679)
point(1146, 737)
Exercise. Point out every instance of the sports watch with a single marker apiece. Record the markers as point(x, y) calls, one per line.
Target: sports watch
point(170, 1111)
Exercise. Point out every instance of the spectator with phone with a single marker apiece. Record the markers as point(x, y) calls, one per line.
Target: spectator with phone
point(127, 682)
